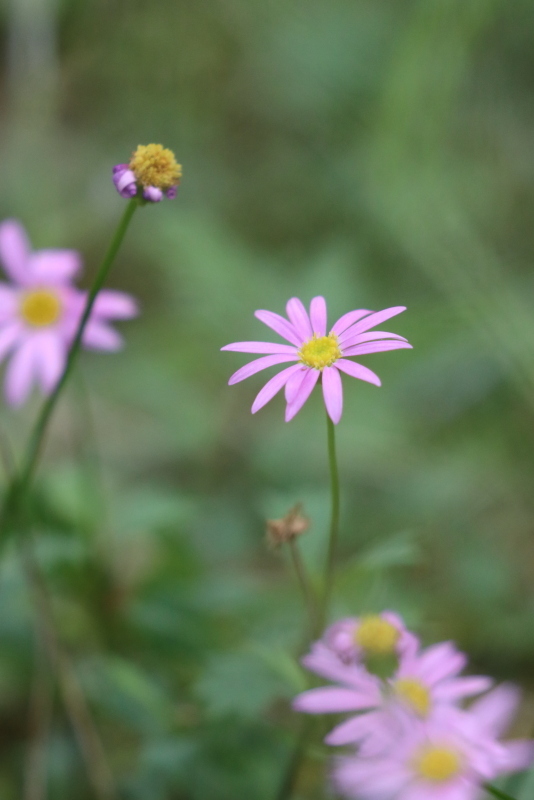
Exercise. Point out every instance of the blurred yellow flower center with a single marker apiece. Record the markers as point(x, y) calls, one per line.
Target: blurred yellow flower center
point(40, 308)
point(320, 351)
point(153, 165)
point(376, 635)
point(415, 694)
point(437, 764)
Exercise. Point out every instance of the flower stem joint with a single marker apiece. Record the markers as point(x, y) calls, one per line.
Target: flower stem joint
point(152, 174)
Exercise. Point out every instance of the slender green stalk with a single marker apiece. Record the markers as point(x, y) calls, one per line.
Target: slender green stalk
point(305, 585)
point(291, 773)
point(334, 523)
point(39, 725)
point(19, 485)
point(289, 778)
point(497, 792)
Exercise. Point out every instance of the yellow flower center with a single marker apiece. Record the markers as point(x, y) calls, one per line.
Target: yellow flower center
point(40, 307)
point(153, 165)
point(320, 351)
point(415, 694)
point(438, 764)
point(376, 635)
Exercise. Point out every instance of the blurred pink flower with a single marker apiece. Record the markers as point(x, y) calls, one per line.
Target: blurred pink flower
point(40, 311)
point(449, 758)
point(319, 355)
point(352, 639)
point(420, 684)
point(341, 656)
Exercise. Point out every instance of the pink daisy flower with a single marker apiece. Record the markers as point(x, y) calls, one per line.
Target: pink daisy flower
point(448, 759)
point(40, 311)
point(319, 355)
point(422, 684)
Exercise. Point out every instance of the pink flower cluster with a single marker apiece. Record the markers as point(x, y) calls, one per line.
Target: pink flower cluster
point(409, 735)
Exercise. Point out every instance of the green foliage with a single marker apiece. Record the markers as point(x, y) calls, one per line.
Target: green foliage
point(375, 152)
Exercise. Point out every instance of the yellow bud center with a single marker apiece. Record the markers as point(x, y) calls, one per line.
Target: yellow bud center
point(414, 694)
point(40, 308)
point(376, 635)
point(153, 165)
point(320, 351)
point(438, 764)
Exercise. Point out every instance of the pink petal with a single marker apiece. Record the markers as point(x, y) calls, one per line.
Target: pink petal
point(260, 347)
point(348, 319)
point(299, 317)
point(358, 371)
point(441, 661)
point(318, 315)
point(305, 389)
point(99, 336)
point(371, 778)
point(50, 358)
point(462, 687)
point(518, 755)
point(280, 325)
point(330, 700)
point(8, 337)
point(324, 662)
point(375, 347)
point(460, 789)
point(54, 266)
point(20, 373)
point(496, 709)
point(14, 250)
point(257, 366)
point(375, 319)
point(294, 383)
point(333, 393)
point(355, 729)
point(272, 387)
point(348, 338)
point(9, 301)
point(115, 305)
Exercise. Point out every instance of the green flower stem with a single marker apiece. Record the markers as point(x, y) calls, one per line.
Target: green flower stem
point(289, 778)
point(18, 487)
point(290, 775)
point(334, 524)
point(497, 792)
point(306, 588)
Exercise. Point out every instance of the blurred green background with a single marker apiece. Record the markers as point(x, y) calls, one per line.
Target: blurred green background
point(378, 152)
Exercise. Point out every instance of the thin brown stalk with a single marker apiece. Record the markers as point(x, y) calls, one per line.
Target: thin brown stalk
point(40, 717)
point(76, 706)
point(6, 455)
